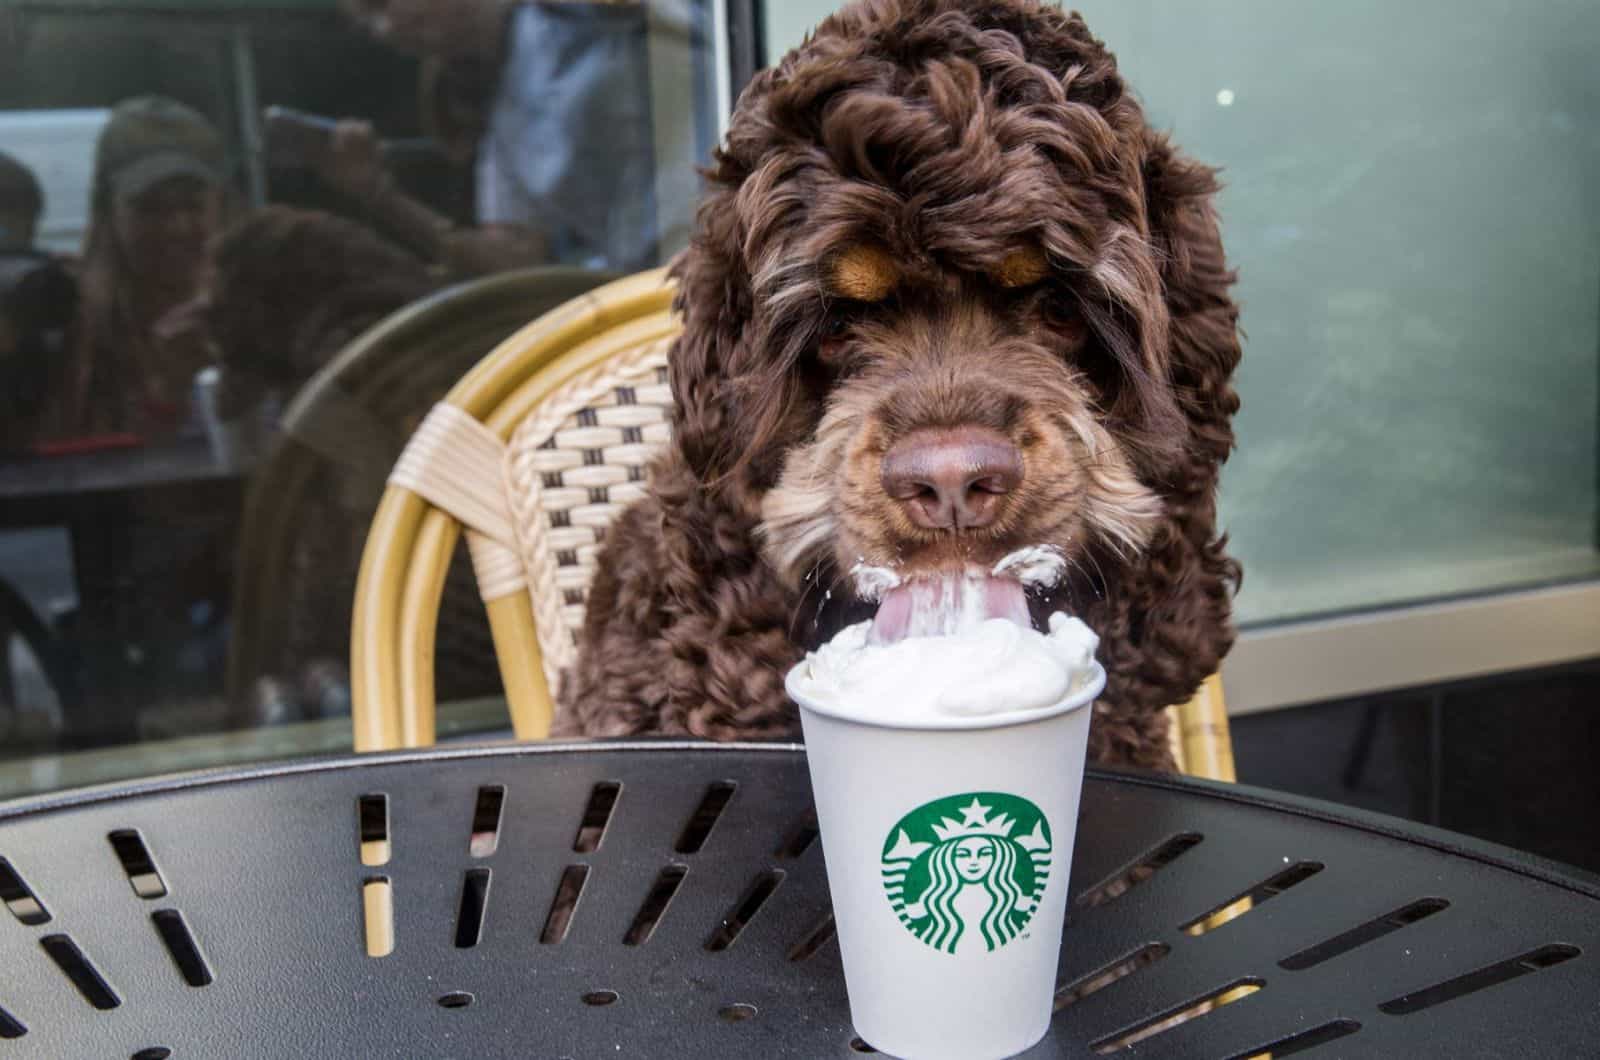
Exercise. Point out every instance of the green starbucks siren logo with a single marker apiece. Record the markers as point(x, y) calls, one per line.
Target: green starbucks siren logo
point(968, 870)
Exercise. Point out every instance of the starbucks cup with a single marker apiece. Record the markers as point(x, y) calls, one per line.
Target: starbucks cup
point(948, 842)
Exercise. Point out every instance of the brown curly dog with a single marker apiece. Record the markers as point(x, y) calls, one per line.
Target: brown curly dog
point(949, 297)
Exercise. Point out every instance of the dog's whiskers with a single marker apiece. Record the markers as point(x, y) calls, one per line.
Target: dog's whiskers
point(1099, 579)
point(809, 585)
point(814, 586)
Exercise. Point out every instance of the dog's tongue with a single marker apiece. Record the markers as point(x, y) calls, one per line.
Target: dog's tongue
point(930, 607)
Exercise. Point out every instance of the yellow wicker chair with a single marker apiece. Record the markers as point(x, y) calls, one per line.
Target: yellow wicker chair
point(1199, 731)
point(342, 432)
point(539, 447)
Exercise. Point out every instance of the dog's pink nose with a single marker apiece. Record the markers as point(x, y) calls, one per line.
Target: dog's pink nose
point(952, 478)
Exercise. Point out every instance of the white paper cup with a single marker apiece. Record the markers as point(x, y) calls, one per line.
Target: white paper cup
point(948, 845)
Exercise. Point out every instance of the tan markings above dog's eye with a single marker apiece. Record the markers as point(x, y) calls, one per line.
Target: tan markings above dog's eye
point(863, 272)
point(1023, 268)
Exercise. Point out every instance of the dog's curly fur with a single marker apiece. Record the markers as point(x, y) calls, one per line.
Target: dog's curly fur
point(1037, 262)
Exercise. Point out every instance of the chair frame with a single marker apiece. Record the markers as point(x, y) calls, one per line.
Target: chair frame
point(409, 548)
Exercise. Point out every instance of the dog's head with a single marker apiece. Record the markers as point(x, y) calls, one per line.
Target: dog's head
point(928, 307)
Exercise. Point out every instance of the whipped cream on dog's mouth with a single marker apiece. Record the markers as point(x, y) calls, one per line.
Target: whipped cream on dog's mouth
point(960, 644)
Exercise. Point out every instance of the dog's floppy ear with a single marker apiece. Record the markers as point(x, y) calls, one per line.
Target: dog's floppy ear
point(1203, 337)
point(732, 371)
point(714, 300)
point(1185, 627)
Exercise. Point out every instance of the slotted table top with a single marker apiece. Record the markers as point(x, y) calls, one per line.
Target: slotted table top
point(668, 899)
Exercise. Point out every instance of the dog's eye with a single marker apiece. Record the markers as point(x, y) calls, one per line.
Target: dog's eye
point(1065, 324)
point(832, 346)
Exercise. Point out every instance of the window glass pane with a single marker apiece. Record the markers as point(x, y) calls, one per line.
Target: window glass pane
point(1412, 194)
point(244, 247)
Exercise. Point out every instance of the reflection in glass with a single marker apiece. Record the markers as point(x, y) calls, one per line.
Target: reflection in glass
point(241, 255)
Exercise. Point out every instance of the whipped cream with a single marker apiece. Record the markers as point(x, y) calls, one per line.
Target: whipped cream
point(986, 667)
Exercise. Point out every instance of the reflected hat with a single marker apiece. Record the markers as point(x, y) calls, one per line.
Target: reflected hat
point(150, 139)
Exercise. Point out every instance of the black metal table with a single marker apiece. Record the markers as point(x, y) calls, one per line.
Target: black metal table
point(665, 899)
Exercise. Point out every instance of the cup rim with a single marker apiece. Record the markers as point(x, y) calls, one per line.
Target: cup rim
point(1083, 697)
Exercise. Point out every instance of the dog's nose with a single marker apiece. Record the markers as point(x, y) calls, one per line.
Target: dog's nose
point(952, 478)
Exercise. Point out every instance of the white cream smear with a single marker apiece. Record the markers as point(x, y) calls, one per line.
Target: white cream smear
point(958, 646)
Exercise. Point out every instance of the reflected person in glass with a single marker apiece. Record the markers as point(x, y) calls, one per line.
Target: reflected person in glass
point(38, 300)
point(21, 203)
point(361, 169)
point(157, 201)
point(568, 147)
